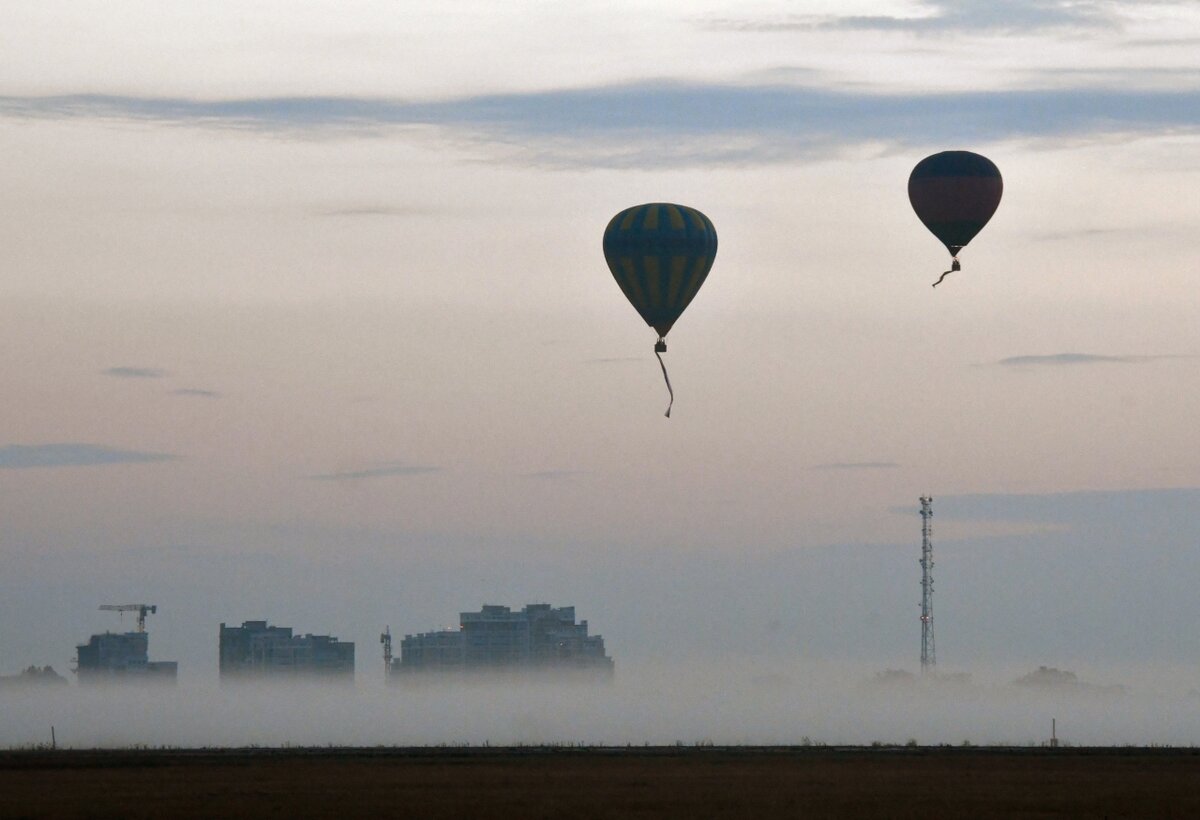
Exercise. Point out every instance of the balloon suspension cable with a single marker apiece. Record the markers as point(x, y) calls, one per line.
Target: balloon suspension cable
point(953, 267)
point(660, 347)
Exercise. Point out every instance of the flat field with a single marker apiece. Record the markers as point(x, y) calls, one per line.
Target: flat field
point(736, 782)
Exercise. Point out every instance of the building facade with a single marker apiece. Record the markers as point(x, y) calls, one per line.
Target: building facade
point(257, 650)
point(121, 656)
point(538, 638)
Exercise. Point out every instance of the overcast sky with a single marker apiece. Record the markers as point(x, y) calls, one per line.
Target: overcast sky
point(305, 318)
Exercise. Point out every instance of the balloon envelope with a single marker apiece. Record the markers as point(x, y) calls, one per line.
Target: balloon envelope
point(955, 193)
point(660, 254)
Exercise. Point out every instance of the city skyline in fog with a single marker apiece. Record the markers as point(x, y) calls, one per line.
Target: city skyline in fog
point(306, 319)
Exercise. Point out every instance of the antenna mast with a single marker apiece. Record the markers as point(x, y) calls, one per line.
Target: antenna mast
point(386, 640)
point(928, 654)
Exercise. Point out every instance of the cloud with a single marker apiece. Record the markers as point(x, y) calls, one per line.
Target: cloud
point(1077, 358)
point(674, 124)
point(1155, 232)
point(795, 74)
point(1163, 42)
point(1127, 77)
point(135, 372)
point(1093, 510)
point(554, 475)
point(1101, 76)
point(375, 210)
point(1082, 233)
point(391, 468)
point(196, 392)
point(856, 465)
point(614, 360)
point(949, 16)
point(20, 457)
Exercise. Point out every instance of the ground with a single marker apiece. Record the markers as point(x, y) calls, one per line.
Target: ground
point(691, 782)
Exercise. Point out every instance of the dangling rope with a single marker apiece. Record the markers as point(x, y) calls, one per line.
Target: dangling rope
point(660, 348)
point(953, 267)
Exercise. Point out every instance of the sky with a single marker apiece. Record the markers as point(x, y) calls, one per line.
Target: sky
point(305, 318)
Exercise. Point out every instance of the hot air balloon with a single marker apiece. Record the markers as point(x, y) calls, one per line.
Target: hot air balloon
point(955, 193)
point(660, 254)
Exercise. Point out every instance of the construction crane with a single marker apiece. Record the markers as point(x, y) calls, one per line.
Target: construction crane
point(141, 609)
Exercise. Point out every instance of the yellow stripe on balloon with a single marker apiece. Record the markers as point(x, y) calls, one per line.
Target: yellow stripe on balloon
point(678, 269)
point(698, 270)
point(653, 285)
point(630, 215)
point(651, 223)
point(675, 217)
point(633, 290)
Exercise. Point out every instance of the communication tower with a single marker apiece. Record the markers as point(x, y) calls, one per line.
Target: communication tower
point(928, 655)
point(386, 640)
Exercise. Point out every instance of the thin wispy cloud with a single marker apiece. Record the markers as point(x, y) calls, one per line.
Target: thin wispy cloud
point(1163, 42)
point(1072, 359)
point(553, 475)
point(1082, 233)
point(136, 372)
point(374, 211)
point(948, 16)
point(678, 124)
point(791, 74)
point(1093, 509)
point(28, 456)
point(196, 393)
point(386, 470)
point(1153, 232)
point(857, 465)
point(1127, 77)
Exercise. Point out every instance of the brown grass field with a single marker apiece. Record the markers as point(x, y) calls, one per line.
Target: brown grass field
point(737, 782)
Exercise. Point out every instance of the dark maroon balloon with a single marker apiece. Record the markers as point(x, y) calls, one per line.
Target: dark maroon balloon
point(955, 193)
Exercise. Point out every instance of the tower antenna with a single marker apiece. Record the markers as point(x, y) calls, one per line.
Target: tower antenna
point(386, 640)
point(928, 654)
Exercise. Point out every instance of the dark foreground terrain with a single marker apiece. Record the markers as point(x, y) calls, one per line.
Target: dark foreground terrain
point(603, 783)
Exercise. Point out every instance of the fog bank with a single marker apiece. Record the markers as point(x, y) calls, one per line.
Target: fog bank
point(722, 704)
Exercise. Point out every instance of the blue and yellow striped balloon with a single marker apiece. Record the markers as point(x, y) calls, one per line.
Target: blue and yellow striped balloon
point(660, 254)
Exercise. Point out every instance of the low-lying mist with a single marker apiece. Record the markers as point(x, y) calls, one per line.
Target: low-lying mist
point(726, 703)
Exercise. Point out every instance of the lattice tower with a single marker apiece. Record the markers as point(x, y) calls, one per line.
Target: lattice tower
point(928, 653)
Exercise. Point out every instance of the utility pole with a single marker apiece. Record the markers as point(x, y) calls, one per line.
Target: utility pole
point(928, 654)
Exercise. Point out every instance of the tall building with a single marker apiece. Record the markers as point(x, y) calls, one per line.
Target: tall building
point(121, 656)
point(256, 650)
point(539, 638)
